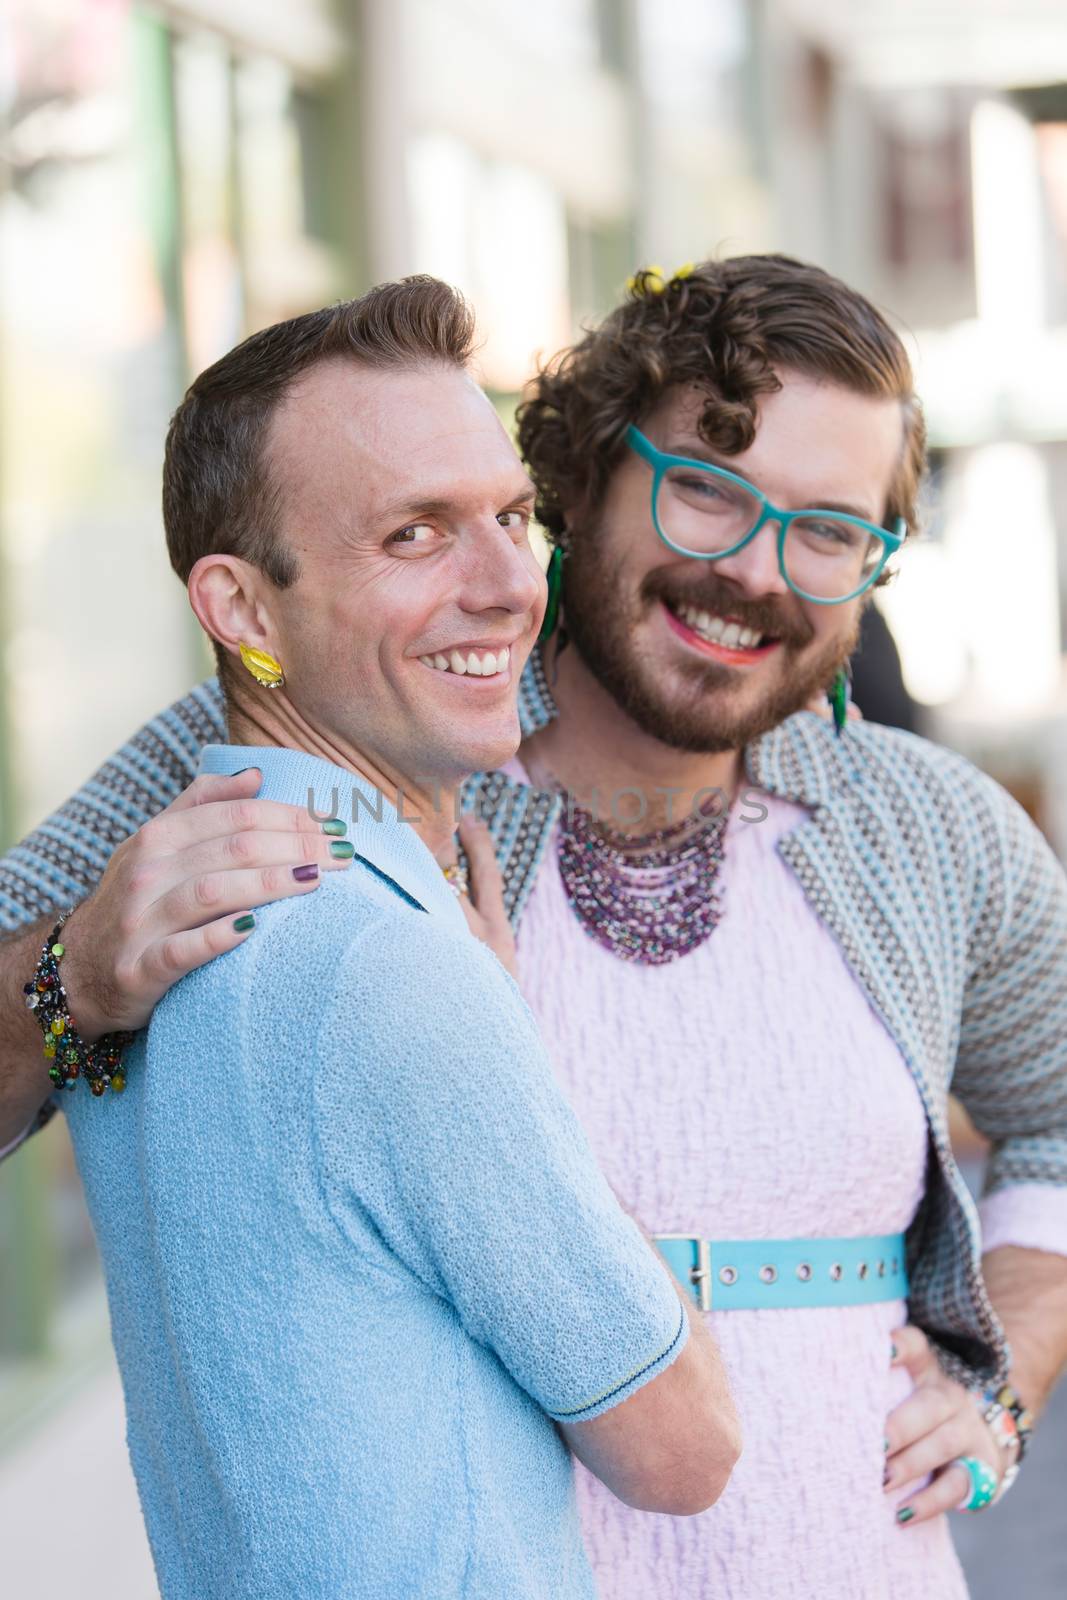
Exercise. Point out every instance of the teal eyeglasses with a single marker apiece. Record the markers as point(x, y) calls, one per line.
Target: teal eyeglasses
point(706, 512)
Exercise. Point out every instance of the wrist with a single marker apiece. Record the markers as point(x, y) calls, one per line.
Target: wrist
point(71, 1057)
point(24, 1081)
point(85, 994)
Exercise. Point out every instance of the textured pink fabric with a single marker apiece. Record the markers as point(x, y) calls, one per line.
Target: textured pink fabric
point(749, 1091)
point(1032, 1215)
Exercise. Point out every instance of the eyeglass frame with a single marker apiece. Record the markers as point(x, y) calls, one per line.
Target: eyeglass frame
point(660, 462)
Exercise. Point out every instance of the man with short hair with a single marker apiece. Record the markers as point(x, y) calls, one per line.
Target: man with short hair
point(357, 1249)
point(758, 1014)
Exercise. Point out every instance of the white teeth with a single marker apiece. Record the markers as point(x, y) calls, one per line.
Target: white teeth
point(486, 665)
point(730, 634)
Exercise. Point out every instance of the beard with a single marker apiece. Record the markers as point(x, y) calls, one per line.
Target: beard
point(705, 706)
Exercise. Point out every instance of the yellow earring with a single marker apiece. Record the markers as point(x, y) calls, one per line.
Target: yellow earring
point(263, 667)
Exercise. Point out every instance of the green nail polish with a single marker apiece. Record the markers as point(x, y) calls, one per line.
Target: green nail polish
point(341, 850)
point(886, 1443)
point(892, 1352)
point(905, 1514)
point(335, 827)
point(243, 924)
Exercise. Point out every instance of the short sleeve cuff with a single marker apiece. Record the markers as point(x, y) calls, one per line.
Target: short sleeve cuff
point(631, 1382)
point(1031, 1216)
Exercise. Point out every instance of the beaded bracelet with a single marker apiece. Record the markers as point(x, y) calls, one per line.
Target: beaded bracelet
point(100, 1064)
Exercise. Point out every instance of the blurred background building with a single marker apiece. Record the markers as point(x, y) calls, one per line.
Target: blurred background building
point(174, 175)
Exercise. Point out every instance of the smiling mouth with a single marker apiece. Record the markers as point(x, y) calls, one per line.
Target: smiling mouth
point(722, 637)
point(471, 663)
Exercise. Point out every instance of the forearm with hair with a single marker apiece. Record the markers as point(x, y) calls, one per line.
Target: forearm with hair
point(1028, 1289)
point(24, 1082)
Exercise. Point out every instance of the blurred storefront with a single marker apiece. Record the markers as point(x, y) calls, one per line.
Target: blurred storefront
point(921, 152)
point(173, 175)
point(166, 187)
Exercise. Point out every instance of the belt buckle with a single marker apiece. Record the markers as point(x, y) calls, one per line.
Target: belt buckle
point(700, 1273)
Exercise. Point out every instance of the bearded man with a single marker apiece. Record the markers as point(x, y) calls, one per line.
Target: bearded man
point(760, 953)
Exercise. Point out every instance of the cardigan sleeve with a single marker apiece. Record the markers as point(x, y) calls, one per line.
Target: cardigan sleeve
point(1032, 1216)
point(62, 860)
point(1011, 1070)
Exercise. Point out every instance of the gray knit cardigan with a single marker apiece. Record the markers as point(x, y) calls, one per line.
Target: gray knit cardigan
point(948, 905)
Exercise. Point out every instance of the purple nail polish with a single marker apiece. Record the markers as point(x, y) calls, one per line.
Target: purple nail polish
point(306, 874)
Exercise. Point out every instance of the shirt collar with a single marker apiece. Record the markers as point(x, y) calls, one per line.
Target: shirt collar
point(383, 839)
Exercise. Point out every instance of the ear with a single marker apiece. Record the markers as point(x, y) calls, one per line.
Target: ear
point(230, 599)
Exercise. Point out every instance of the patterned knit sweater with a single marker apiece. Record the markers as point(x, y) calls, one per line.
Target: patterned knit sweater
point(946, 902)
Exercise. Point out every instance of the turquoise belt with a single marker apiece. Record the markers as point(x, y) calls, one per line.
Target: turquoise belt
point(760, 1274)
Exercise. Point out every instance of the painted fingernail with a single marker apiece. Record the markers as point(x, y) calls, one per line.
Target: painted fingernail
point(244, 924)
point(335, 827)
point(341, 850)
point(306, 874)
point(905, 1514)
point(892, 1352)
point(886, 1443)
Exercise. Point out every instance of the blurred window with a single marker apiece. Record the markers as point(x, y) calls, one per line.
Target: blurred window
point(163, 195)
point(498, 230)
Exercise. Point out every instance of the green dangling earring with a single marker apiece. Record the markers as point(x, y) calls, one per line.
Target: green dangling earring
point(839, 694)
point(554, 574)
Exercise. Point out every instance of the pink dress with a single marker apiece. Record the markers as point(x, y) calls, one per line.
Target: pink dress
point(749, 1091)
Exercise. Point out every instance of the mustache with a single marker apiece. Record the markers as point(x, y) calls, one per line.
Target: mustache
point(711, 594)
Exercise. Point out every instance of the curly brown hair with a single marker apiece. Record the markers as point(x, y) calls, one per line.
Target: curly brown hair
point(727, 327)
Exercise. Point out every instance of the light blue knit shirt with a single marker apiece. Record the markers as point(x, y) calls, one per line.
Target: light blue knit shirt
point(358, 1252)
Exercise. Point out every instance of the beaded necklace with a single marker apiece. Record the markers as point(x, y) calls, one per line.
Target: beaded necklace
point(650, 899)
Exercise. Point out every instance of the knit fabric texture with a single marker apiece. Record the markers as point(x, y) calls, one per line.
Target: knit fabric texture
point(358, 1252)
point(946, 902)
point(774, 1105)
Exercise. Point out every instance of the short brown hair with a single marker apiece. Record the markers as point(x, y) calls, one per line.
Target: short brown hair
point(219, 495)
point(725, 327)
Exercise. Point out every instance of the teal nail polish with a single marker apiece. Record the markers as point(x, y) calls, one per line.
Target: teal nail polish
point(892, 1352)
point(244, 924)
point(886, 1443)
point(335, 827)
point(341, 850)
point(905, 1514)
